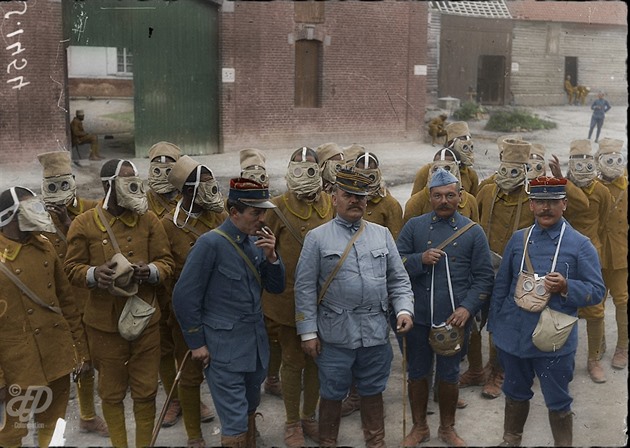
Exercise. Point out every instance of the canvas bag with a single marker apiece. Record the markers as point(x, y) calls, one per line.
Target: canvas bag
point(553, 330)
point(530, 292)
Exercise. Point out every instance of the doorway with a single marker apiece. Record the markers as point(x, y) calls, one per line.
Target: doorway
point(491, 80)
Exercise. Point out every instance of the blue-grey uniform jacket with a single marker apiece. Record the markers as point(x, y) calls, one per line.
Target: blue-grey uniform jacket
point(469, 262)
point(217, 300)
point(353, 312)
point(511, 326)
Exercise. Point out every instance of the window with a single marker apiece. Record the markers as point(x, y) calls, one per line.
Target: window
point(307, 73)
point(124, 59)
point(308, 12)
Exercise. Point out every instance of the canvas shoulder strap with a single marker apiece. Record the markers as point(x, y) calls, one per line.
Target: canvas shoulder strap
point(241, 253)
point(110, 232)
point(26, 290)
point(290, 228)
point(457, 234)
point(186, 226)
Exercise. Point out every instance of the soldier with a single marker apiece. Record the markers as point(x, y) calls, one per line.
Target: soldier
point(199, 209)
point(500, 140)
point(59, 192)
point(612, 173)
point(79, 136)
point(569, 89)
point(253, 165)
point(436, 128)
point(41, 336)
point(581, 94)
point(331, 160)
point(420, 203)
point(599, 107)
point(121, 225)
point(300, 209)
point(590, 222)
point(458, 138)
point(502, 210)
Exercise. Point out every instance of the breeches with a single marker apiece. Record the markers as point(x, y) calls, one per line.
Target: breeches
point(369, 366)
point(554, 374)
point(123, 364)
point(616, 281)
point(192, 373)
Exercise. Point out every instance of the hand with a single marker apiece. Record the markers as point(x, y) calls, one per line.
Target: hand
point(312, 347)
point(141, 271)
point(201, 354)
point(556, 283)
point(267, 242)
point(459, 317)
point(404, 324)
point(432, 256)
point(104, 274)
point(554, 166)
point(61, 211)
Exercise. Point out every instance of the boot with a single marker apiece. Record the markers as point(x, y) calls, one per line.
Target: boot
point(252, 432)
point(596, 371)
point(461, 404)
point(492, 388)
point(144, 414)
point(448, 396)
point(272, 386)
point(418, 400)
point(237, 441)
point(191, 410)
point(351, 403)
point(173, 412)
point(373, 421)
point(561, 427)
point(329, 419)
point(595, 333)
point(294, 435)
point(620, 358)
point(115, 417)
point(310, 428)
point(475, 375)
point(516, 413)
point(206, 413)
point(97, 426)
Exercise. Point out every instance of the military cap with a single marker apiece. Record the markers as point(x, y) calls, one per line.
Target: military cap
point(537, 151)
point(544, 187)
point(55, 163)
point(608, 145)
point(252, 157)
point(181, 170)
point(352, 152)
point(456, 129)
point(165, 149)
point(442, 177)
point(502, 138)
point(250, 193)
point(327, 151)
point(352, 181)
point(515, 151)
point(580, 149)
point(79, 112)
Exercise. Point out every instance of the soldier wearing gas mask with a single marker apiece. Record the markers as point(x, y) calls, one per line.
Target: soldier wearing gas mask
point(331, 160)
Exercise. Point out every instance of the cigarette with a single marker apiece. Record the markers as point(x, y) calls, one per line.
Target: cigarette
point(266, 230)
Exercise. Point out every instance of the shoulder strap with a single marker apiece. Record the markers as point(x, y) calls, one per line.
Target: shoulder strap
point(290, 228)
point(110, 232)
point(186, 226)
point(241, 253)
point(26, 290)
point(339, 263)
point(457, 234)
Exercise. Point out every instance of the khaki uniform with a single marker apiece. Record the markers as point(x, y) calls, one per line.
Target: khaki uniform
point(79, 136)
point(121, 364)
point(159, 204)
point(280, 308)
point(436, 129)
point(570, 90)
point(470, 179)
point(385, 211)
point(420, 203)
point(37, 346)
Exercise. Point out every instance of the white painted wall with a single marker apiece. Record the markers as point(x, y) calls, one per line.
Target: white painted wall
point(93, 62)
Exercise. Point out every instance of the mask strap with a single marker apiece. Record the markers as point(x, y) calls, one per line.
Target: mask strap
point(303, 153)
point(12, 208)
point(111, 179)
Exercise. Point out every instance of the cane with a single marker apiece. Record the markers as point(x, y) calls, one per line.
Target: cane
point(158, 425)
point(404, 388)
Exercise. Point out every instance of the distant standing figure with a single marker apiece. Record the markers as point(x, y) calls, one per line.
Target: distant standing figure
point(599, 107)
point(569, 89)
point(436, 128)
point(581, 92)
point(79, 136)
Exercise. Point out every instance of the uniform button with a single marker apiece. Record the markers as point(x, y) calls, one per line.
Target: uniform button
point(303, 228)
point(429, 242)
point(455, 243)
point(191, 244)
point(130, 253)
point(18, 270)
point(369, 213)
point(128, 238)
point(50, 285)
point(57, 240)
point(45, 263)
point(62, 255)
point(36, 331)
point(105, 242)
point(56, 324)
point(29, 311)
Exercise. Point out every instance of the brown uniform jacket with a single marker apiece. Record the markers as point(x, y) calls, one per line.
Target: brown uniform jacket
point(76, 130)
point(420, 203)
point(303, 217)
point(37, 346)
point(385, 211)
point(159, 204)
point(470, 179)
point(141, 238)
point(503, 207)
point(615, 232)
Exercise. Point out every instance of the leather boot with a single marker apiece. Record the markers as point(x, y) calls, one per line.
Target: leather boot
point(114, 414)
point(475, 375)
point(144, 414)
point(492, 388)
point(448, 396)
point(561, 427)
point(516, 413)
point(595, 333)
point(351, 403)
point(418, 400)
point(373, 421)
point(329, 419)
point(190, 400)
point(237, 441)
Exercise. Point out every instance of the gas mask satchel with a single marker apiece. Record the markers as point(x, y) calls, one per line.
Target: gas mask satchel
point(552, 330)
point(530, 293)
point(135, 317)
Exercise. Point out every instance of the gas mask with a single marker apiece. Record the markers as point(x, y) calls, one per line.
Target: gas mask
point(205, 194)
point(611, 165)
point(330, 168)
point(158, 175)
point(59, 190)
point(256, 173)
point(130, 192)
point(535, 168)
point(303, 178)
point(376, 186)
point(464, 145)
point(510, 176)
point(448, 165)
point(582, 171)
point(31, 214)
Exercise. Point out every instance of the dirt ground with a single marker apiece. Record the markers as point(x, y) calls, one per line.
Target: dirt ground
point(600, 409)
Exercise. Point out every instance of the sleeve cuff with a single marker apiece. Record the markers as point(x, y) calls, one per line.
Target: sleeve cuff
point(90, 279)
point(308, 336)
point(154, 276)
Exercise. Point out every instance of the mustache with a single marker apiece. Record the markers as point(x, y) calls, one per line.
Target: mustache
point(546, 214)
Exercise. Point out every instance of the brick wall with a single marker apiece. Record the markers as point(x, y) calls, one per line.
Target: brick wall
point(33, 117)
point(100, 88)
point(369, 91)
